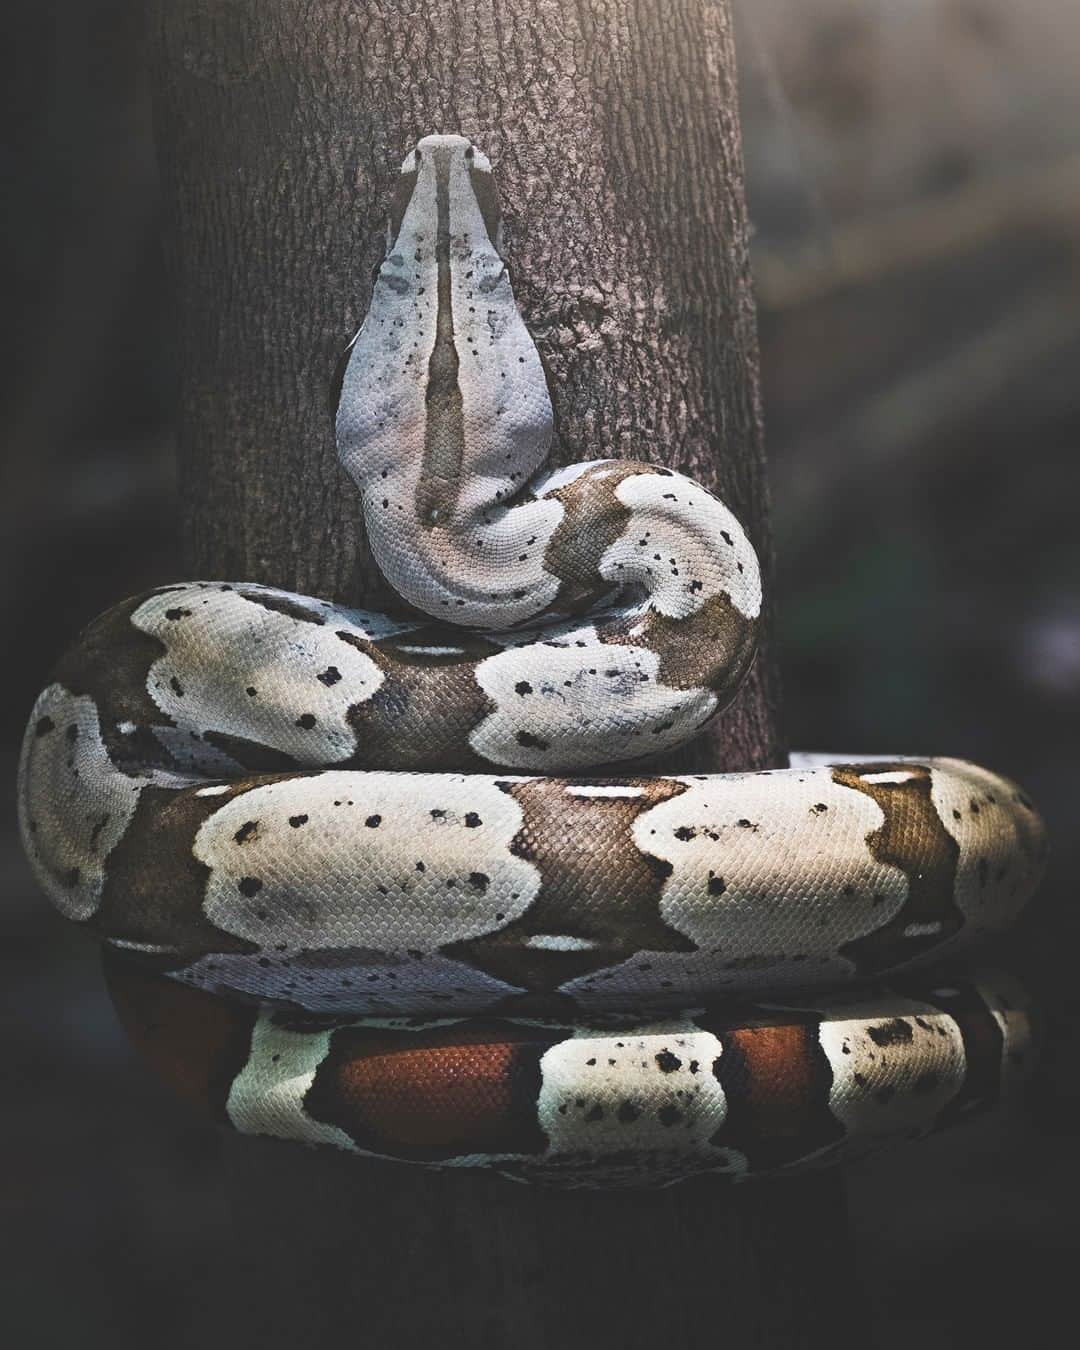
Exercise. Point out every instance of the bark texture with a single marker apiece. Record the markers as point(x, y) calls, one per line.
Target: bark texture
point(613, 131)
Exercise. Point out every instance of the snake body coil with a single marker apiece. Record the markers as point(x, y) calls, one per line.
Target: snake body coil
point(398, 914)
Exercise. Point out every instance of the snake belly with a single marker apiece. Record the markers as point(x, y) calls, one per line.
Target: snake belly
point(376, 881)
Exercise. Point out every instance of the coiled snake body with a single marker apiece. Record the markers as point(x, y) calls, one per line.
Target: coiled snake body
point(398, 915)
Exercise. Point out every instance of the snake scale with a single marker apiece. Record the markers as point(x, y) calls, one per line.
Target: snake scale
point(375, 882)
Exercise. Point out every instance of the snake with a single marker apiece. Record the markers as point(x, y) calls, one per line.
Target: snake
point(399, 884)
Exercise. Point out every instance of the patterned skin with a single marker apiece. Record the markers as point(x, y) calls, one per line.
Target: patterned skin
point(267, 796)
point(736, 1092)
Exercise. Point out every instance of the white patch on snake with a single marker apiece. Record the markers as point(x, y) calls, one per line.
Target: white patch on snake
point(651, 1090)
point(267, 1095)
point(770, 876)
point(564, 476)
point(222, 645)
point(559, 942)
point(574, 706)
point(382, 862)
point(923, 929)
point(74, 805)
point(431, 651)
point(603, 790)
point(676, 545)
point(894, 1068)
point(995, 833)
point(821, 759)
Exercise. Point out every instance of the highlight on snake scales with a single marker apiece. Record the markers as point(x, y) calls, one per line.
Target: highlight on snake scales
point(391, 882)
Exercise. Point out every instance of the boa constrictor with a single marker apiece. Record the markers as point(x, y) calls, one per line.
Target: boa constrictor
point(390, 924)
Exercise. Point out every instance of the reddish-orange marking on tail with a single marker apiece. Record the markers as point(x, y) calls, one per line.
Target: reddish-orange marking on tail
point(436, 1093)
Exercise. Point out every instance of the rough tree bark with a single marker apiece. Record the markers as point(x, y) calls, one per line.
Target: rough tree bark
point(613, 130)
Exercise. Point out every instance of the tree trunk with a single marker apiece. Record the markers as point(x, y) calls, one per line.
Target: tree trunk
point(613, 131)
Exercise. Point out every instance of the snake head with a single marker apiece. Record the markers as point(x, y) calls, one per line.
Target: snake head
point(444, 414)
point(448, 174)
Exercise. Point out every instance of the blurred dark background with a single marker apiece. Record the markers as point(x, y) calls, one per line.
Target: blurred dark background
point(914, 182)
